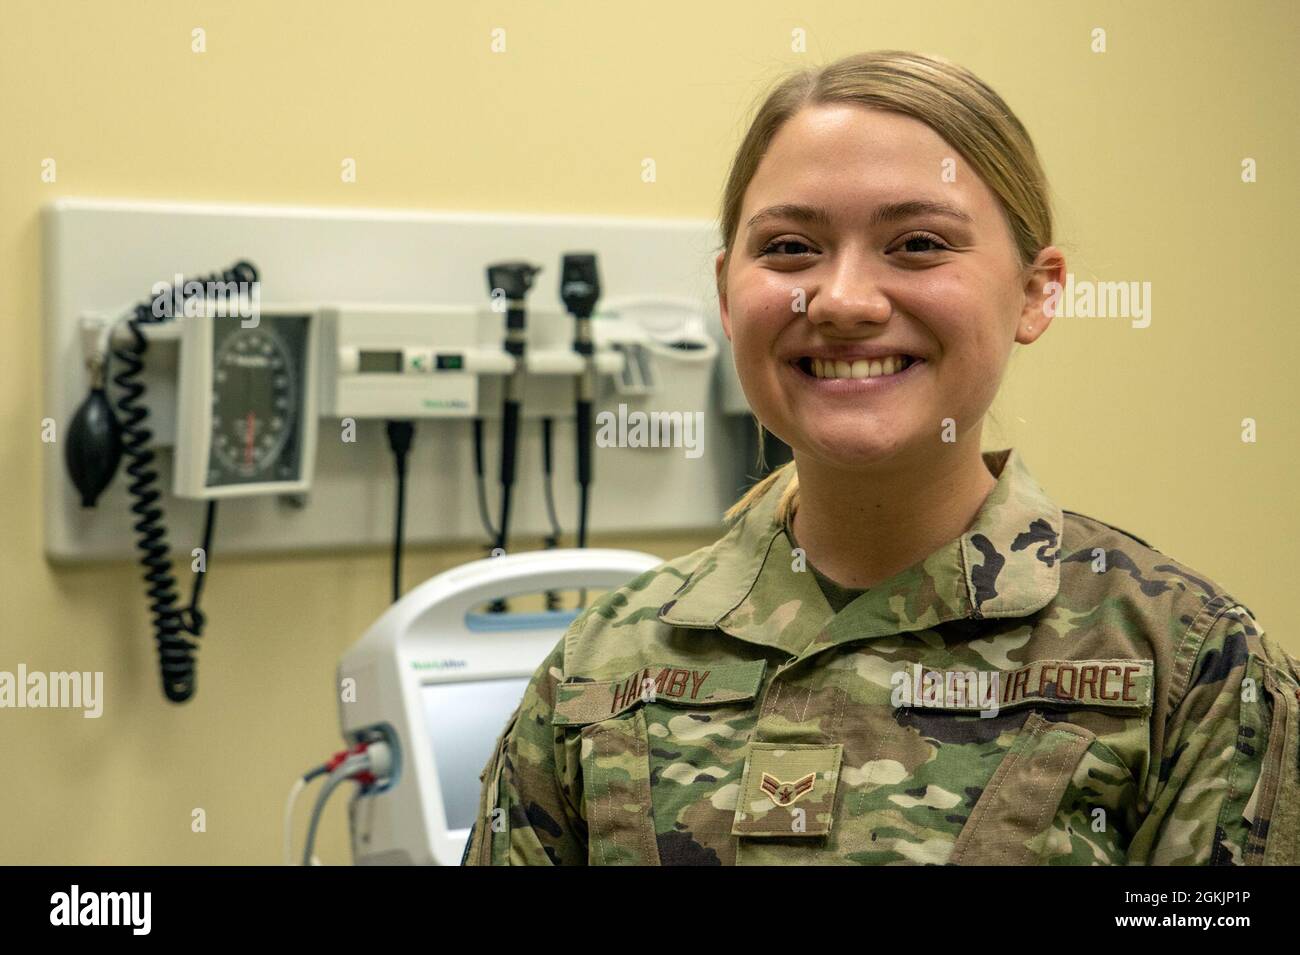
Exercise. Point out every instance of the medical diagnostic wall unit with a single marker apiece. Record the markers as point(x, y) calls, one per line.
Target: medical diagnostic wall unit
point(314, 379)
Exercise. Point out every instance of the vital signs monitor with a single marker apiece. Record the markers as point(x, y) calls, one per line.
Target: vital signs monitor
point(437, 681)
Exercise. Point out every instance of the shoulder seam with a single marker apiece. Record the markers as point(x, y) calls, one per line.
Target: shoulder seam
point(1189, 647)
point(1120, 530)
point(574, 631)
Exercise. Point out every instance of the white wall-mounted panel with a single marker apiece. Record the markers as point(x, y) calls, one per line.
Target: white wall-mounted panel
point(104, 255)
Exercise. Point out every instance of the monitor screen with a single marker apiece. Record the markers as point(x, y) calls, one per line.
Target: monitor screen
point(464, 720)
point(379, 361)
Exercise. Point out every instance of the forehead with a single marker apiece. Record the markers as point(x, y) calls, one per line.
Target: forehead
point(851, 158)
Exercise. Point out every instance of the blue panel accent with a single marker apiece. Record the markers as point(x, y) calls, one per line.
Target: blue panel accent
point(541, 620)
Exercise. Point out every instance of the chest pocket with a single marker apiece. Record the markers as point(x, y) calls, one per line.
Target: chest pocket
point(1058, 790)
point(663, 753)
point(1011, 821)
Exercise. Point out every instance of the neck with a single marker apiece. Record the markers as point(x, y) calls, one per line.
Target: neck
point(862, 527)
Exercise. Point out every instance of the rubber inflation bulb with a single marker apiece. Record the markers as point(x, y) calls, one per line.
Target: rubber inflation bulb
point(94, 447)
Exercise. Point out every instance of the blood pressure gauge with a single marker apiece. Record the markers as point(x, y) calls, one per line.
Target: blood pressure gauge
point(247, 417)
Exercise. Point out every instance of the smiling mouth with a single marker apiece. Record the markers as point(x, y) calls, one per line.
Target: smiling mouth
point(860, 369)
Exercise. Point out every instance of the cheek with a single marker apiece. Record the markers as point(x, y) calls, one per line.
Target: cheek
point(965, 312)
point(759, 311)
point(765, 294)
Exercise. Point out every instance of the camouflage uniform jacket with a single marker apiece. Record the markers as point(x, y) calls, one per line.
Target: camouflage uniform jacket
point(1044, 689)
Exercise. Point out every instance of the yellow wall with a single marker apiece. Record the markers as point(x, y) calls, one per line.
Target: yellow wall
point(1140, 428)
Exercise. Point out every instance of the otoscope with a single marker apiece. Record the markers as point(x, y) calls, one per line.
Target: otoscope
point(580, 290)
point(513, 279)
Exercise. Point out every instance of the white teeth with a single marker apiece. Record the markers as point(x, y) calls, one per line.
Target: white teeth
point(862, 368)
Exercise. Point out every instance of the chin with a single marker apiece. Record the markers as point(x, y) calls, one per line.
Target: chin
point(854, 450)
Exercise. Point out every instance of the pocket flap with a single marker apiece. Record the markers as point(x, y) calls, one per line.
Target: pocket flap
point(1021, 800)
point(582, 701)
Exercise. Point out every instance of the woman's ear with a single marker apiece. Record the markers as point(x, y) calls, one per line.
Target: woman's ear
point(1044, 280)
point(719, 277)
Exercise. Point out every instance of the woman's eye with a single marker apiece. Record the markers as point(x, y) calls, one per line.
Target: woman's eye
point(772, 247)
point(919, 243)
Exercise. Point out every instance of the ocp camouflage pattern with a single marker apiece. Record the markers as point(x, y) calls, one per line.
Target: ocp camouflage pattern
point(715, 710)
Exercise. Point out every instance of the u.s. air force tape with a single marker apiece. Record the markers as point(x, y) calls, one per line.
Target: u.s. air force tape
point(586, 701)
point(1111, 684)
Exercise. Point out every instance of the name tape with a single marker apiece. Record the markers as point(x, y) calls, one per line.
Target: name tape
point(588, 701)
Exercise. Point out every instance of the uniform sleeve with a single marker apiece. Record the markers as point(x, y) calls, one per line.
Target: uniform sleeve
point(530, 806)
point(1227, 788)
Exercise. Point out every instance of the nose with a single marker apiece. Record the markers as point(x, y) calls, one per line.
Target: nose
point(851, 295)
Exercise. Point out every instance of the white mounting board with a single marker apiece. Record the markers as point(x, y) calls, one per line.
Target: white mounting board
point(104, 255)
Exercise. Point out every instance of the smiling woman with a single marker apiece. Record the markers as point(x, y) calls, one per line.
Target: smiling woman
point(969, 674)
point(896, 203)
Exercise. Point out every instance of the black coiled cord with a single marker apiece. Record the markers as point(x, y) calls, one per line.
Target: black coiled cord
point(173, 626)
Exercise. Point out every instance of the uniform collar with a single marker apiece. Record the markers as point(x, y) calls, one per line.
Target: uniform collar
point(1005, 565)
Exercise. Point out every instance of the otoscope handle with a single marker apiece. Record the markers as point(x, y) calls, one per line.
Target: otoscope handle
point(586, 394)
point(584, 441)
point(509, 437)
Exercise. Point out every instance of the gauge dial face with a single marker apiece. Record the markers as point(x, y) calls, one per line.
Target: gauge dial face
point(257, 400)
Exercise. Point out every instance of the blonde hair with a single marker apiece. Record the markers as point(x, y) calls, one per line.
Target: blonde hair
point(948, 98)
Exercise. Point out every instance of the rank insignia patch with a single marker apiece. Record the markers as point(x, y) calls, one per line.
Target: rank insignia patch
point(786, 794)
point(788, 790)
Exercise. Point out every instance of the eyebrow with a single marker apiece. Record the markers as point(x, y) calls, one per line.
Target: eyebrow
point(889, 212)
